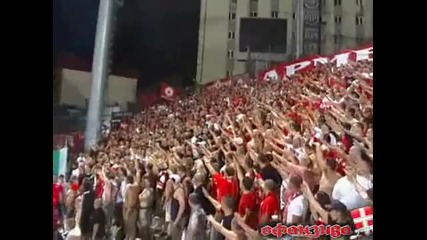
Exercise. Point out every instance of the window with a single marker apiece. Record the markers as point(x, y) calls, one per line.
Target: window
point(359, 2)
point(254, 14)
point(231, 35)
point(274, 14)
point(228, 73)
point(293, 15)
point(230, 54)
point(337, 2)
point(232, 16)
point(234, 1)
point(359, 20)
point(337, 19)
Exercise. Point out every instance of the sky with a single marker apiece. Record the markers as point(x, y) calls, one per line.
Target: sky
point(158, 37)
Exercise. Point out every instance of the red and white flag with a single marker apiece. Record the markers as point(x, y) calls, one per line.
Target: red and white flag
point(168, 92)
point(363, 220)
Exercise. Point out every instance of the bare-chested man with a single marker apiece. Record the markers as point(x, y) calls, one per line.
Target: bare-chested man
point(178, 207)
point(130, 206)
point(329, 175)
point(168, 195)
point(146, 200)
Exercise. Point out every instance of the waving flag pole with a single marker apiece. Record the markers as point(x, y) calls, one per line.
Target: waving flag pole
point(100, 70)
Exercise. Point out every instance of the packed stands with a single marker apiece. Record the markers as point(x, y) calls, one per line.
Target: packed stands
point(293, 146)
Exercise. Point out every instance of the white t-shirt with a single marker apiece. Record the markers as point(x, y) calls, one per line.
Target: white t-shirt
point(297, 207)
point(346, 192)
point(75, 172)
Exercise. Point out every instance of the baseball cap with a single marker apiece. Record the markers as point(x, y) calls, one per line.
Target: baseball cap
point(175, 177)
point(337, 206)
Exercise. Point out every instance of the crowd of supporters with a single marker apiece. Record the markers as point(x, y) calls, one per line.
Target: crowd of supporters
point(227, 161)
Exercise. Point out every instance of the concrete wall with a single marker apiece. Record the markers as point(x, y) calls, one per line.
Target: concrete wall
point(76, 85)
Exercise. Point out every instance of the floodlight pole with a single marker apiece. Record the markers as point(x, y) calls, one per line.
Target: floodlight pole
point(100, 71)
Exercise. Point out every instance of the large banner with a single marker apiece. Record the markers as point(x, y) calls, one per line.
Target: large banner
point(283, 70)
point(60, 161)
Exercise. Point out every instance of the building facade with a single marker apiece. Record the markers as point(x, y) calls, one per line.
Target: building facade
point(346, 24)
point(328, 26)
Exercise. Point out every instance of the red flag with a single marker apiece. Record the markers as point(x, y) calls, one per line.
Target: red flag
point(363, 220)
point(168, 92)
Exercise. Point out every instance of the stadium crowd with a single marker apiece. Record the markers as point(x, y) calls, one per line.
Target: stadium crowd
point(224, 162)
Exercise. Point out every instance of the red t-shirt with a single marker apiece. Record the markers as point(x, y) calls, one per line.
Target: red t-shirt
point(56, 193)
point(249, 201)
point(225, 187)
point(269, 206)
point(99, 189)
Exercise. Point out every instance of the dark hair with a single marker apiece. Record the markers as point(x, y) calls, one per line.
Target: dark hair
point(129, 178)
point(346, 126)
point(323, 199)
point(149, 166)
point(296, 180)
point(370, 193)
point(229, 171)
point(229, 202)
point(249, 162)
point(321, 119)
point(248, 183)
point(124, 171)
point(327, 138)
point(263, 158)
point(221, 156)
point(331, 163)
point(352, 112)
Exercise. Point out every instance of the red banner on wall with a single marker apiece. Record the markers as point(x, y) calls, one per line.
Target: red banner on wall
point(306, 64)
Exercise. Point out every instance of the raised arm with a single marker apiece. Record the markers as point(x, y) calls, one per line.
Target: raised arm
point(138, 172)
point(313, 203)
point(214, 202)
point(253, 234)
point(208, 165)
point(275, 147)
point(229, 235)
point(319, 159)
point(289, 166)
point(240, 174)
